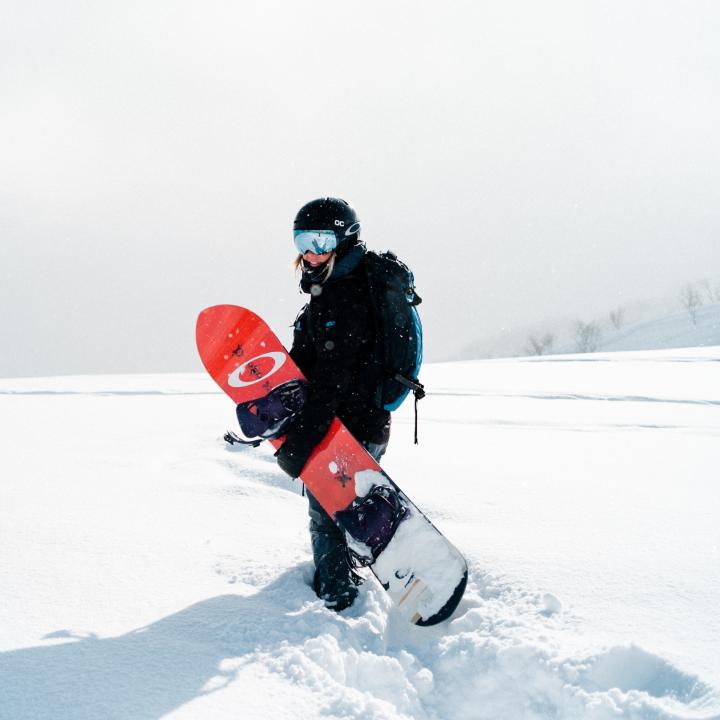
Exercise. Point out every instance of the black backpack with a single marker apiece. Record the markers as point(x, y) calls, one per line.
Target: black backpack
point(398, 332)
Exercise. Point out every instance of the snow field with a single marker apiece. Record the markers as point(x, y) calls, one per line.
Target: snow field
point(147, 570)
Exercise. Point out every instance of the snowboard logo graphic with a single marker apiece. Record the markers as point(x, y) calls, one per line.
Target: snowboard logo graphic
point(256, 369)
point(338, 468)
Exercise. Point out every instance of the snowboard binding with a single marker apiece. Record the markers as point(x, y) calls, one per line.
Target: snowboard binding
point(268, 417)
point(370, 522)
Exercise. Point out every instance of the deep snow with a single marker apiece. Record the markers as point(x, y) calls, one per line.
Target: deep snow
point(147, 570)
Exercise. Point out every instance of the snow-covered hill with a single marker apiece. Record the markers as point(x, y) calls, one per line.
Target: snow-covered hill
point(650, 326)
point(672, 331)
point(147, 570)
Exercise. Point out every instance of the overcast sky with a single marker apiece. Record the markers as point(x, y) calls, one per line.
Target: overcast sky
point(528, 159)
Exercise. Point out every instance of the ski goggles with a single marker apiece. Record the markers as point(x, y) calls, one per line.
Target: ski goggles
point(315, 241)
point(321, 241)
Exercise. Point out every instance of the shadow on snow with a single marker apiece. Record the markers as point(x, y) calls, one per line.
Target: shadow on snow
point(150, 671)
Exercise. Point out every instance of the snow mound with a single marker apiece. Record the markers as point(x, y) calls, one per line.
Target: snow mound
point(493, 661)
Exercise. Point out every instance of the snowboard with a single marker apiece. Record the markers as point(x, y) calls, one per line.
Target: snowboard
point(424, 574)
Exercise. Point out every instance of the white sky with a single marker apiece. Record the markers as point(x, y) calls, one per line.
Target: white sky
point(528, 160)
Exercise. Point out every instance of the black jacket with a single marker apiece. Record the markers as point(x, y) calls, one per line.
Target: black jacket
point(333, 346)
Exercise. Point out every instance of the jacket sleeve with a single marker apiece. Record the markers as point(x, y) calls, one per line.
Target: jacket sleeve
point(337, 341)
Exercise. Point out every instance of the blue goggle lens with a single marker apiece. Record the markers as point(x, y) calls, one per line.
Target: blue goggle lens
point(315, 241)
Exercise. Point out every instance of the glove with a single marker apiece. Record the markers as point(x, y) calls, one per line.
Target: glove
point(291, 459)
point(303, 436)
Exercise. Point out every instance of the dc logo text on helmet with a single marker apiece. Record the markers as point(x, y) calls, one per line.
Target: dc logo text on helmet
point(339, 223)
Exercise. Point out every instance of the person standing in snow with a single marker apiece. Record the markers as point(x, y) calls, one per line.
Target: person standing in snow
point(333, 346)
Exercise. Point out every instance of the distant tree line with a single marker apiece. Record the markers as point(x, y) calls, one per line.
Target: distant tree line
point(586, 335)
point(694, 295)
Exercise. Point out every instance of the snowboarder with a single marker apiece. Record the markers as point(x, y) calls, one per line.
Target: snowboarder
point(333, 346)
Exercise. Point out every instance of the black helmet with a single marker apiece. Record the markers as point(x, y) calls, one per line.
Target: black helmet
point(329, 213)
